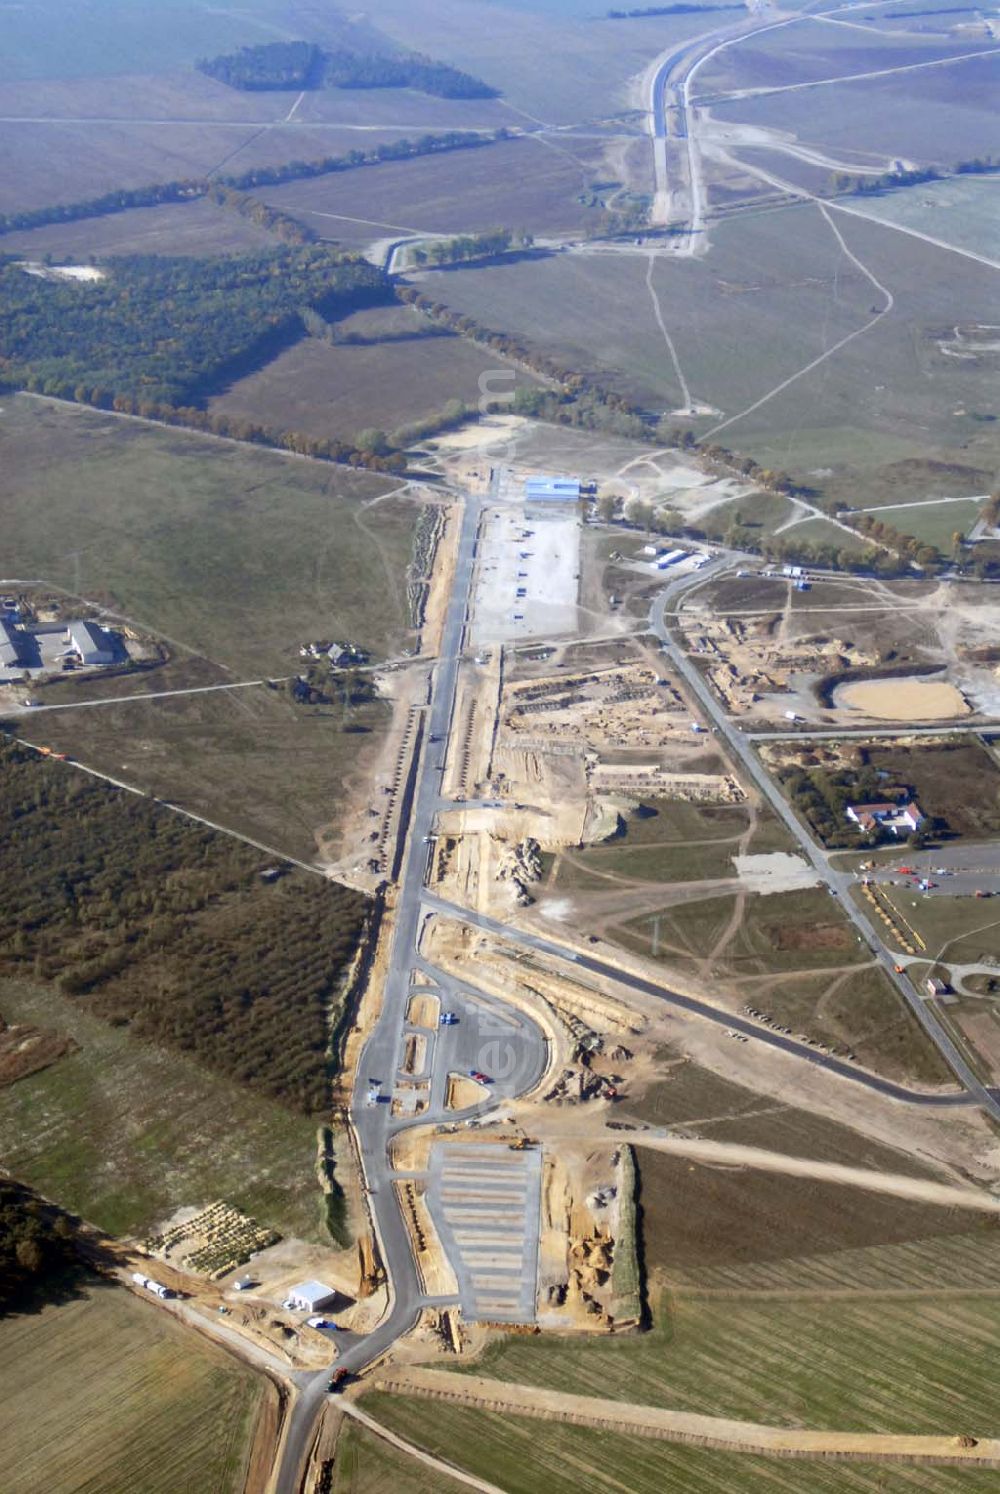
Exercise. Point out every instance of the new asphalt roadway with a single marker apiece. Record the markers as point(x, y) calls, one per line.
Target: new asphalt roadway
point(474, 1042)
point(487, 1034)
point(839, 883)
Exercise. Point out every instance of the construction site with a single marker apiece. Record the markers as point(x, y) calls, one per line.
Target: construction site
point(838, 651)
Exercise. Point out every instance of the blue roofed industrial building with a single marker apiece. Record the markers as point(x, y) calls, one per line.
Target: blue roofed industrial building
point(552, 490)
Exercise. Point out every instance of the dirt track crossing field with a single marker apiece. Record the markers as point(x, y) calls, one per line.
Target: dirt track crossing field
point(680, 1426)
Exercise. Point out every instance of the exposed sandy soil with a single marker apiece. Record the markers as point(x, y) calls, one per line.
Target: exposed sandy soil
point(732, 1154)
point(903, 700)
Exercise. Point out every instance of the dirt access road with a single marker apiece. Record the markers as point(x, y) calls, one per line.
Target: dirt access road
point(686, 1426)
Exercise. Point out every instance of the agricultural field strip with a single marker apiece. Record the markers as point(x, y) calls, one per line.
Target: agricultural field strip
point(815, 363)
point(111, 700)
point(188, 814)
point(351, 1408)
point(533, 1400)
point(869, 217)
point(735, 1154)
point(885, 72)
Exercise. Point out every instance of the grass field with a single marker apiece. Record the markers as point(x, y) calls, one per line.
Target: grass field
point(522, 1455)
point(364, 1464)
point(112, 1394)
point(196, 228)
point(781, 931)
point(251, 760)
point(959, 929)
point(934, 523)
point(319, 388)
point(124, 1133)
point(809, 51)
point(230, 552)
point(779, 283)
point(774, 957)
point(847, 1334)
point(692, 1097)
point(518, 183)
point(673, 841)
point(934, 116)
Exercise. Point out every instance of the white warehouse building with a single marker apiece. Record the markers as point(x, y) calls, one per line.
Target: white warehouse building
point(90, 642)
point(308, 1296)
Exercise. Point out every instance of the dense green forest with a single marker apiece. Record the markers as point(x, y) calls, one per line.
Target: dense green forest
point(295, 64)
point(38, 1256)
point(353, 70)
point(299, 64)
point(167, 926)
point(170, 329)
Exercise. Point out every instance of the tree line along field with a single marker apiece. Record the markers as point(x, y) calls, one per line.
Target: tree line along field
point(111, 1393)
point(519, 1452)
point(518, 183)
point(155, 922)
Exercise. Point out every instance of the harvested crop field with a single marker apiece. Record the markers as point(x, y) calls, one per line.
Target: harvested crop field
point(695, 1099)
point(365, 1464)
point(936, 115)
point(318, 387)
point(703, 1223)
point(516, 181)
point(523, 1454)
point(112, 1394)
point(903, 700)
point(124, 1132)
point(196, 228)
point(839, 1333)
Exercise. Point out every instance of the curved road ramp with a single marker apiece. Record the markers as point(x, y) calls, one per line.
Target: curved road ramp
point(688, 1426)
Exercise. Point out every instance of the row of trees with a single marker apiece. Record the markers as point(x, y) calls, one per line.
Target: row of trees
point(860, 185)
point(682, 8)
point(166, 926)
point(907, 546)
point(470, 246)
point(156, 193)
point(374, 70)
point(300, 64)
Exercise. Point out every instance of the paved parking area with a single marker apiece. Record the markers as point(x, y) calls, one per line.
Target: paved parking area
point(528, 575)
point(485, 1201)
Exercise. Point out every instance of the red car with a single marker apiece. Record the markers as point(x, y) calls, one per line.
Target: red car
point(480, 1077)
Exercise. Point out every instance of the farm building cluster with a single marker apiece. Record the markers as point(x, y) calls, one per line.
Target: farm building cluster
point(38, 648)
